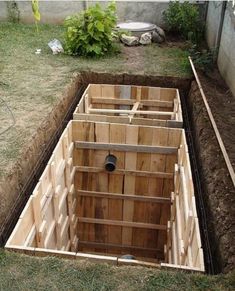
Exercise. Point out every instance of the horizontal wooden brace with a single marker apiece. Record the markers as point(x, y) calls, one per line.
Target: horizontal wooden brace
point(123, 101)
point(84, 169)
point(125, 147)
point(98, 245)
point(124, 196)
point(122, 223)
point(124, 111)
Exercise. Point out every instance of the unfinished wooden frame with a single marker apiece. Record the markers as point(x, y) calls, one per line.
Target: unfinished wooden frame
point(140, 105)
point(146, 207)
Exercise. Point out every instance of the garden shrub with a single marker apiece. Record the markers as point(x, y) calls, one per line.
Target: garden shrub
point(205, 59)
point(183, 18)
point(90, 33)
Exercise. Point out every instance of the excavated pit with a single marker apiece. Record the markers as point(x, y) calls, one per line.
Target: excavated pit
point(184, 87)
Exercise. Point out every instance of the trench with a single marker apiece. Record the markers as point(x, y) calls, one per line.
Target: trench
point(215, 256)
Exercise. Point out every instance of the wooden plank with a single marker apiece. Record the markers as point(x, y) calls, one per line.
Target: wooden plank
point(126, 147)
point(129, 102)
point(141, 186)
point(184, 192)
point(89, 183)
point(125, 120)
point(124, 262)
point(117, 134)
point(125, 94)
point(151, 199)
point(121, 223)
point(136, 105)
point(120, 247)
point(37, 216)
point(49, 234)
point(180, 267)
point(138, 173)
point(102, 182)
point(212, 120)
point(124, 111)
point(31, 236)
point(129, 183)
point(87, 103)
point(155, 186)
point(23, 226)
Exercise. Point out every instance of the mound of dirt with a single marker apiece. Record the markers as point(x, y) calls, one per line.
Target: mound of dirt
point(219, 192)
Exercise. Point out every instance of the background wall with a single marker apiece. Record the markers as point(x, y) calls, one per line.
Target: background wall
point(149, 11)
point(224, 42)
point(56, 11)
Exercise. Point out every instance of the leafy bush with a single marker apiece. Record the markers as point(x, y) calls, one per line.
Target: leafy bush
point(90, 33)
point(183, 18)
point(204, 60)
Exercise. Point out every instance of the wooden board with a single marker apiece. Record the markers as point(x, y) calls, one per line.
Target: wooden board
point(127, 210)
point(119, 102)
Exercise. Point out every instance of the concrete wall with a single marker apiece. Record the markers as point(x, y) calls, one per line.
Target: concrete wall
point(226, 45)
point(213, 22)
point(56, 11)
point(226, 57)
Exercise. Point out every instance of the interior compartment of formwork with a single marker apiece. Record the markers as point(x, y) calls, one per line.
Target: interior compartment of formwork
point(141, 105)
point(145, 207)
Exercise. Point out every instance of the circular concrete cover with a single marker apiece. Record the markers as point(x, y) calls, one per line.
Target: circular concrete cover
point(137, 26)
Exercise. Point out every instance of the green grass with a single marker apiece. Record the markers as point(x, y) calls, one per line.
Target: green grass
point(20, 272)
point(32, 84)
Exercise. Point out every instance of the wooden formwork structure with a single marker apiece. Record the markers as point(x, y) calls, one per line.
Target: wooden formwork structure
point(140, 105)
point(146, 207)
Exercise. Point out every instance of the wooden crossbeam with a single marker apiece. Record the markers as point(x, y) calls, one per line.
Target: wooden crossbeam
point(125, 111)
point(122, 223)
point(151, 199)
point(116, 101)
point(135, 107)
point(97, 245)
point(148, 174)
point(125, 147)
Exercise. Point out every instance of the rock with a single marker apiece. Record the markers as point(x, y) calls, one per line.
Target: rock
point(158, 36)
point(129, 40)
point(145, 38)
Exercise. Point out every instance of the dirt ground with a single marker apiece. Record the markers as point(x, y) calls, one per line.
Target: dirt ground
point(219, 192)
point(34, 85)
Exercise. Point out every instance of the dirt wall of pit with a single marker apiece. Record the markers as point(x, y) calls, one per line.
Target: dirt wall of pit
point(23, 174)
point(218, 190)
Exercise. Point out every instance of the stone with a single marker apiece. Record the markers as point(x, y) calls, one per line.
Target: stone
point(158, 36)
point(145, 38)
point(129, 40)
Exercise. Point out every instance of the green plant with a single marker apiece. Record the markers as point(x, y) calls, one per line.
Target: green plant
point(90, 33)
point(204, 59)
point(36, 13)
point(13, 12)
point(183, 18)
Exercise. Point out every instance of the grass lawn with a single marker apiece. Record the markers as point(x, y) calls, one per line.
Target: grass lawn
point(32, 84)
point(21, 272)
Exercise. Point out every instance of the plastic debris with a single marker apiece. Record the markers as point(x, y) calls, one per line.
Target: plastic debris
point(38, 51)
point(56, 46)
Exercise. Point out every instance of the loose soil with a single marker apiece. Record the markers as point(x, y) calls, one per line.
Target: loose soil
point(219, 192)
